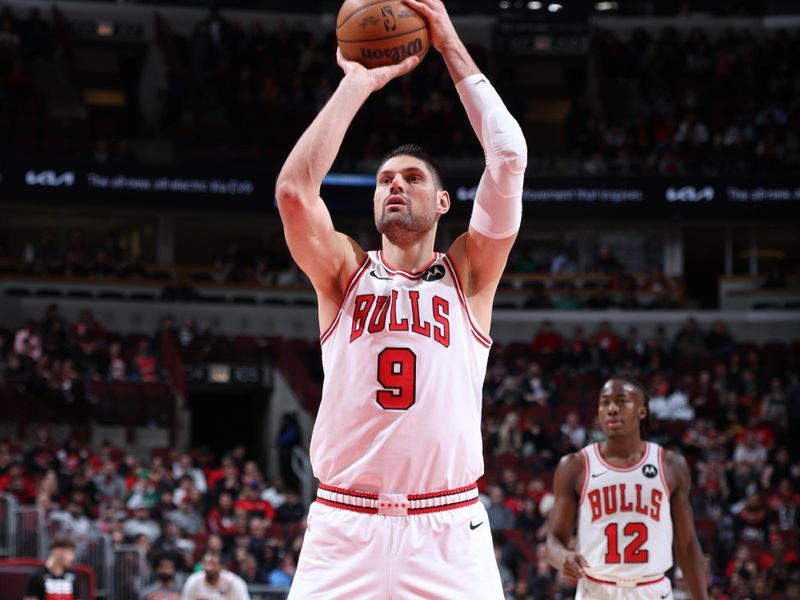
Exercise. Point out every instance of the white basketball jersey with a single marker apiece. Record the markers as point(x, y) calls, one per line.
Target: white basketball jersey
point(404, 364)
point(624, 518)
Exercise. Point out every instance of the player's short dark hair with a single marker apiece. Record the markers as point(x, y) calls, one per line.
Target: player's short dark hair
point(212, 554)
point(417, 152)
point(644, 424)
point(62, 541)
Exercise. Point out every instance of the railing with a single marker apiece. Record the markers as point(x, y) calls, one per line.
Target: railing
point(267, 592)
point(301, 465)
point(131, 572)
point(8, 522)
point(30, 536)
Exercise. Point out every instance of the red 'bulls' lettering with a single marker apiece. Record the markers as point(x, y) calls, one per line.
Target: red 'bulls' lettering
point(374, 313)
point(612, 498)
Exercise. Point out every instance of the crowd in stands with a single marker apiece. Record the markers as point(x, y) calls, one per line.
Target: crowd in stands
point(668, 103)
point(688, 103)
point(728, 407)
point(57, 359)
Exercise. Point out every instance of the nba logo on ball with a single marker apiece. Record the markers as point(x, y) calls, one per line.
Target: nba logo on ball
point(381, 33)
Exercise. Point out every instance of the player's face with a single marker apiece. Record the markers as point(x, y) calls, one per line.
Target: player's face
point(212, 567)
point(64, 556)
point(406, 200)
point(621, 409)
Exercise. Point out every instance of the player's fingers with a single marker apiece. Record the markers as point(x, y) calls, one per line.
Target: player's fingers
point(420, 7)
point(403, 67)
point(581, 561)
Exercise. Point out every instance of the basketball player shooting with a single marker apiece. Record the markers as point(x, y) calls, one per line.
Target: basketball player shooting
point(397, 444)
point(631, 499)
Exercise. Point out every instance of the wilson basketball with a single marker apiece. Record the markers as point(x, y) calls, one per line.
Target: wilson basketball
point(381, 33)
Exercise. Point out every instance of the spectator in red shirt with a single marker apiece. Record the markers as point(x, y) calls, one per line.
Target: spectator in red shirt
point(221, 519)
point(250, 501)
point(146, 363)
point(547, 340)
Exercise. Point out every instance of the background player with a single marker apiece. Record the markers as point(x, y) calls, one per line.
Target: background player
point(630, 498)
point(404, 350)
point(214, 582)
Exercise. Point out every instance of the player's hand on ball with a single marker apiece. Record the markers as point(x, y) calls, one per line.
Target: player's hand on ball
point(439, 23)
point(573, 565)
point(377, 77)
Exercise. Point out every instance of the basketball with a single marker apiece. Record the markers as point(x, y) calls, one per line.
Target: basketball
point(381, 33)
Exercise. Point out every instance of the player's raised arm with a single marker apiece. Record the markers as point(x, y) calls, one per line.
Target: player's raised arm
point(562, 517)
point(687, 547)
point(326, 256)
point(497, 211)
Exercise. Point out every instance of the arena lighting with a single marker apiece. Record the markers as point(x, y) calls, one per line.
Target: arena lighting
point(505, 4)
point(604, 6)
point(554, 7)
point(534, 5)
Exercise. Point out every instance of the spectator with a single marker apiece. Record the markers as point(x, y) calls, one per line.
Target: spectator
point(607, 262)
point(547, 340)
point(282, 575)
point(166, 586)
point(187, 518)
point(108, 483)
point(288, 439)
point(141, 523)
point(290, 511)
point(146, 363)
point(509, 436)
point(690, 343)
point(184, 466)
point(500, 516)
point(55, 578)
point(573, 433)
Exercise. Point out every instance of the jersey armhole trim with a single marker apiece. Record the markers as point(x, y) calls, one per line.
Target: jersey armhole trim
point(585, 483)
point(481, 337)
point(351, 283)
point(661, 462)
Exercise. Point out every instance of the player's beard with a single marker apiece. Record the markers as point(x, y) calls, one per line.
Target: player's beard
point(404, 226)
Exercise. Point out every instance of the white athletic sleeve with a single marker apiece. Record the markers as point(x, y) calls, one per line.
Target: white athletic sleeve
point(189, 591)
point(497, 211)
point(241, 589)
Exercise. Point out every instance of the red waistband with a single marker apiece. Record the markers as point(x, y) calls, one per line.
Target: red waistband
point(397, 504)
point(639, 584)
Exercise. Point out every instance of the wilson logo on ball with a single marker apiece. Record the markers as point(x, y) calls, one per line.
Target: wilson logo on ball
point(395, 54)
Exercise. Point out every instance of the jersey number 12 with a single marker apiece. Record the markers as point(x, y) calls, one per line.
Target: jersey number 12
point(634, 553)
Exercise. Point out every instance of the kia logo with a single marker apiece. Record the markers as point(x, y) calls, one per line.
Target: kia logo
point(689, 193)
point(50, 178)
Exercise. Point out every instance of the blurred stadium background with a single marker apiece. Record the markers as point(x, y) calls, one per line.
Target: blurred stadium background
point(159, 362)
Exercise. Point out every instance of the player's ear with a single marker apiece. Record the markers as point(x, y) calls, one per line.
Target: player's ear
point(442, 201)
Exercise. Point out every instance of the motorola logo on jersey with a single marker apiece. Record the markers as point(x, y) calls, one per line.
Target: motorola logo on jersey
point(435, 273)
point(649, 471)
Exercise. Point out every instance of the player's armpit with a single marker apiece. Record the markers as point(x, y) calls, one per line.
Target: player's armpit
point(326, 256)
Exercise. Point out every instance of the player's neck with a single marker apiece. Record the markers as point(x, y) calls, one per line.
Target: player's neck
point(409, 257)
point(625, 450)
